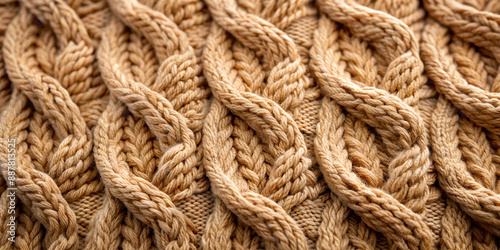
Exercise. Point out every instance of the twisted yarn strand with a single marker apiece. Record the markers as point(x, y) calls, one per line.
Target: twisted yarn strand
point(158, 114)
point(418, 151)
point(483, 195)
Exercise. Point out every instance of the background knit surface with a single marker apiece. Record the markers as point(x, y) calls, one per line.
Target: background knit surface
point(249, 124)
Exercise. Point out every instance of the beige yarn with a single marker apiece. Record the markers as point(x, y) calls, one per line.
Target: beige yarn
point(466, 73)
point(290, 182)
point(266, 124)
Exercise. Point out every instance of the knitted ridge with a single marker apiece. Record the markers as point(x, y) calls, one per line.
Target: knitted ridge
point(235, 124)
point(469, 175)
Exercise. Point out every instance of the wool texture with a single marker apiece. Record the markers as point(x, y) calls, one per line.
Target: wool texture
point(249, 124)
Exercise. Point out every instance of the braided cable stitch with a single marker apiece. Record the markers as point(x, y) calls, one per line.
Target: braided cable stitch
point(249, 124)
point(467, 69)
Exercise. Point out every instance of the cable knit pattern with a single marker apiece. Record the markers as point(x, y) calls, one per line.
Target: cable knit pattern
point(462, 73)
point(237, 124)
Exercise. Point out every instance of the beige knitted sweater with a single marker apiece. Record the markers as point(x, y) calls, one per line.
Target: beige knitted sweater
point(249, 124)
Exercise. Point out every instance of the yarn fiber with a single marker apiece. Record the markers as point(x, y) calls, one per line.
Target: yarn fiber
point(234, 124)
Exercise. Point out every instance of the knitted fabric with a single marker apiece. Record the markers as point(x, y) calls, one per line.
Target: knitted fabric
point(237, 124)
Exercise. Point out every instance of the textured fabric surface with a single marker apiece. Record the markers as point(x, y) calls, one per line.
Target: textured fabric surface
point(250, 124)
